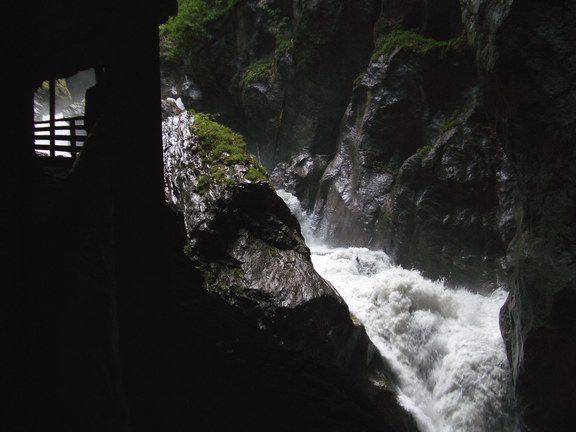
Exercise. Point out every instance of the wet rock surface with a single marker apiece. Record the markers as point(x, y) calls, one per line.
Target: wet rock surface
point(528, 72)
point(419, 171)
point(251, 255)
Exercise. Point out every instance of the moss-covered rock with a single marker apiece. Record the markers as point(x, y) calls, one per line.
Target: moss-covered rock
point(248, 247)
point(414, 41)
point(274, 70)
point(191, 27)
point(224, 152)
point(261, 71)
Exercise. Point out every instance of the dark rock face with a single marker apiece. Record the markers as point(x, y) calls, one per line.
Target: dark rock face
point(250, 251)
point(528, 65)
point(419, 171)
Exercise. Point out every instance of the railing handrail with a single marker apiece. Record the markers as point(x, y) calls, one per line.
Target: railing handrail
point(52, 136)
point(60, 119)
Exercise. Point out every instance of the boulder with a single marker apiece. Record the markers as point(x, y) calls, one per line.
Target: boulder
point(249, 249)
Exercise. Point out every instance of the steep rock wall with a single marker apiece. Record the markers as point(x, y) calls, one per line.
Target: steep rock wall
point(527, 56)
point(419, 171)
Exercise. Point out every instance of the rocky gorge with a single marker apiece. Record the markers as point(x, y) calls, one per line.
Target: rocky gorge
point(441, 132)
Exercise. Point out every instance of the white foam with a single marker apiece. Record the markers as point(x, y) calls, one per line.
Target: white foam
point(443, 344)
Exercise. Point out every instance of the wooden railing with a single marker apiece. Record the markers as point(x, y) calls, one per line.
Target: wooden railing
point(59, 138)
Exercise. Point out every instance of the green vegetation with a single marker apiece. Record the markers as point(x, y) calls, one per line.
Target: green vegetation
point(187, 248)
point(218, 174)
point(190, 27)
point(208, 275)
point(221, 148)
point(381, 167)
point(279, 26)
point(272, 252)
point(424, 150)
point(415, 42)
point(260, 71)
point(450, 122)
point(274, 16)
point(256, 173)
point(238, 273)
point(216, 138)
point(225, 282)
point(357, 80)
point(203, 182)
point(284, 41)
point(61, 90)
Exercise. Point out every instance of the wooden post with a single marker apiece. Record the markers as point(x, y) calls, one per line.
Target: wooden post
point(52, 91)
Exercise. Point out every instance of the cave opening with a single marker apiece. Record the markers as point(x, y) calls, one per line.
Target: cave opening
point(157, 291)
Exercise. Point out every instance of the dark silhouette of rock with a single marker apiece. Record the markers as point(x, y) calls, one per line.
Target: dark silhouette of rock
point(525, 54)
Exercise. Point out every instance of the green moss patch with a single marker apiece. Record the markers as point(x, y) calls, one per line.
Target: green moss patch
point(381, 167)
point(203, 182)
point(257, 72)
point(284, 41)
point(189, 29)
point(424, 150)
point(256, 173)
point(279, 25)
point(415, 42)
point(358, 80)
point(450, 122)
point(221, 148)
point(274, 16)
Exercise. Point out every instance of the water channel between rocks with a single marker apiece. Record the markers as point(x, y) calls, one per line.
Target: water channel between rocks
point(443, 344)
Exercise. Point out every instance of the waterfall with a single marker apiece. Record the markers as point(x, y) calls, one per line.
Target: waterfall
point(443, 344)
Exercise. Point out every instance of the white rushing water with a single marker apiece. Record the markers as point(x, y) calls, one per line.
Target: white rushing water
point(443, 344)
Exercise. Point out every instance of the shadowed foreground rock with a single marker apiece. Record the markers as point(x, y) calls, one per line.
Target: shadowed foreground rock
point(252, 256)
